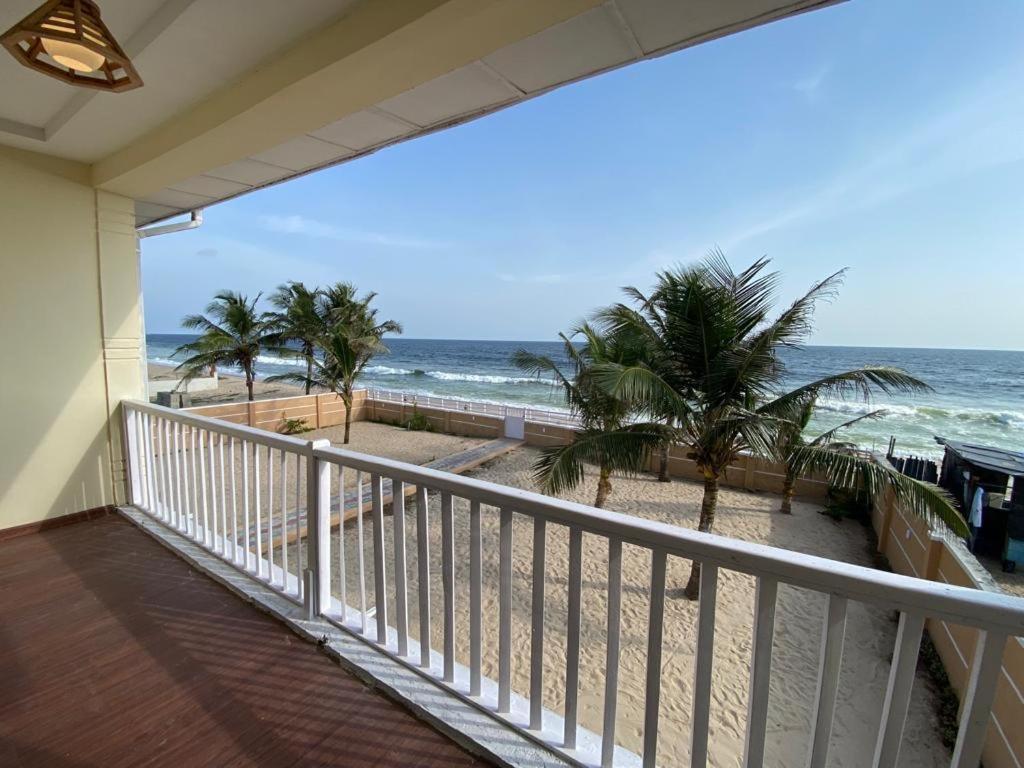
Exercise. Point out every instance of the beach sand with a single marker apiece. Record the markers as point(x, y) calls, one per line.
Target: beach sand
point(230, 387)
point(870, 631)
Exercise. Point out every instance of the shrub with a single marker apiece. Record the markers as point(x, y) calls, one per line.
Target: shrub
point(294, 426)
point(418, 422)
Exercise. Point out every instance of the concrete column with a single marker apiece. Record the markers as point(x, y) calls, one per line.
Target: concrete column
point(121, 319)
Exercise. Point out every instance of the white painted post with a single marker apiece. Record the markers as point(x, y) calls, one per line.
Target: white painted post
point(282, 472)
point(831, 661)
point(256, 493)
point(611, 664)
point(977, 706)
point(423, 566)
point(448, 584)
point(537, 625)
point(380, 584)
point(318, 530)
point(897, 696)
point(572, 646)
point(213, 492)
point(270, 515)
point(475, 589)
point(703, 665)
point(245, 506)
point(360, 564)
point(134, 475)
point(655, 626)
point(234, 504)
point(505, 613)
point(342, 572)
point(401, 587)
point(760, 670)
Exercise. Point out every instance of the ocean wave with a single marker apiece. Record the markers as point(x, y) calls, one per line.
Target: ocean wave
point(295, 362)
point(479, 378)
point(1003, 418)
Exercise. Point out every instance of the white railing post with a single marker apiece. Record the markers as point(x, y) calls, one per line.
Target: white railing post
point(132, 448)
point(318, 531)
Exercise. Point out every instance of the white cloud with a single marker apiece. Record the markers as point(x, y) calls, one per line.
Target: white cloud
point(295, 224)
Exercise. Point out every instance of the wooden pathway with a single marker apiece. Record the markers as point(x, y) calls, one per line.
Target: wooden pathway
point(115, 652)
point(456, 464)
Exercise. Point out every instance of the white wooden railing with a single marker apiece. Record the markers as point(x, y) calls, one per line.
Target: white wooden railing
point(498, 410)
point(239, 491)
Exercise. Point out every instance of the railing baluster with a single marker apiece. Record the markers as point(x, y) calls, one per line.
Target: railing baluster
point(572, 645)
point(161, 434)
point(256, 507)
point(704, 660)
point(192, 435)
point(283, 472)
point(655, 627)
point(897, 695)
point(423, 566)
point(360, 564)
point(537, 626)
point(223, 498)
point(475, 589)
point(611, 664)
point(234, 502)
point(203, 489)
point(448, 584)
point(150, 485)
point(247, 539)
point(832, 636)
point(213, 493)
point(318, 501)
point(505, 612)
point(174, 481)
point(380, 593)
point(179, 500)
point(977, 706)
point(270, 515)
point(184, 460)
point(299, 549)
point(401, 587)
point(760, 670)
point(342, 574)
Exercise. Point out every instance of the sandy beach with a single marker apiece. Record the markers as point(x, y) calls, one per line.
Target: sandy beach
point(230, 387)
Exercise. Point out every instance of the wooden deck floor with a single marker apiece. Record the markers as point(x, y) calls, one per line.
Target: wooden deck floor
point(114, 652)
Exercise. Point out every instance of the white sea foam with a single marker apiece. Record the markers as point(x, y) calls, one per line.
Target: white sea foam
point(927, 413)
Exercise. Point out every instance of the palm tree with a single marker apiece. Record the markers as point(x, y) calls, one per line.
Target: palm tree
point(351, 337)
point(298, 320)
point(791, 439)
point(232, 334)
point(606, 438)
point(713, 365)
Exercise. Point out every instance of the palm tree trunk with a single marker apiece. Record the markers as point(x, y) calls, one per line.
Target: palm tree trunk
point(788, 489)
point(309, 373)
point(663, 476)
point(248, 382)
point(604, 487)
point(707, 522)
point(348, 416)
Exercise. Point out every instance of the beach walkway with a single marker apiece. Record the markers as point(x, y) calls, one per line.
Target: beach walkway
point(455, 463)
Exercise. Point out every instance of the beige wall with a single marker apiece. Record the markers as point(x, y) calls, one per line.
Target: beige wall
point(70, 332)
point(912, 549)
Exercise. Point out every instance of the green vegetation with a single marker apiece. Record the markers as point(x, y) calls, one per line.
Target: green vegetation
point(605, 438)
point(700, 366)
point(294, 426)
point(232, 334)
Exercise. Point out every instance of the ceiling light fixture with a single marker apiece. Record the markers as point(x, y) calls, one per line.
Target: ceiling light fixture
point(66, 39)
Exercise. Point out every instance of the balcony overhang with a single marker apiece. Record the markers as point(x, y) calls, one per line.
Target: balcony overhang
point(314, 88)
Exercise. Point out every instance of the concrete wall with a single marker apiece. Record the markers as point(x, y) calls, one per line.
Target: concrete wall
point(316, 411)
point(914, 550)
point(70, 330)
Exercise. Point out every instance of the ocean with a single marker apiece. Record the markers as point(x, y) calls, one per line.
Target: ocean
point(978, 395)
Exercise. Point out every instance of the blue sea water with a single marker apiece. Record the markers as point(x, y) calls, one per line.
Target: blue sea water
point(977, 395)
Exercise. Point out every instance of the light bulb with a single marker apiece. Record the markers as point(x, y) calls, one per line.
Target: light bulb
point(73, 55)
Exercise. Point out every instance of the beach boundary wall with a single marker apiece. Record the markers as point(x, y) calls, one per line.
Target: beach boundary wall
point(470, 419)
point(913, 549)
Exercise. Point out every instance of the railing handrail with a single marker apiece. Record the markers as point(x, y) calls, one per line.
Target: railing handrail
point(960, 605)
point(531, 413)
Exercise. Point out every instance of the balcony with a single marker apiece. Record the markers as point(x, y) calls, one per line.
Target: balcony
point(415, 596)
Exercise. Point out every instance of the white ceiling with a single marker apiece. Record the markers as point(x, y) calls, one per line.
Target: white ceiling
point(613, 34)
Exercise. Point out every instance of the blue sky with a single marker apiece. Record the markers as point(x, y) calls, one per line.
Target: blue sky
point(886, 136)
